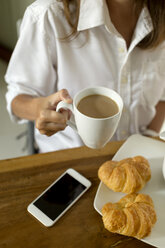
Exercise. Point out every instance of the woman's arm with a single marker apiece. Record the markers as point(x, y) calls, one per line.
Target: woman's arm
point(43, 111)
point(26, 107)
point(159, 118)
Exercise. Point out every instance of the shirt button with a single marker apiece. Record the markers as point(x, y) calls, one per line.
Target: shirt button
point(124, 80)
point(123, 132)
point(121, 49)
point(124, 110)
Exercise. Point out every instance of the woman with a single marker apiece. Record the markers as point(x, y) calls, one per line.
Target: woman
point(65, 46)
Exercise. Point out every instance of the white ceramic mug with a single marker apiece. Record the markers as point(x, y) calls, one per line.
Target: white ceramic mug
point(95, 132)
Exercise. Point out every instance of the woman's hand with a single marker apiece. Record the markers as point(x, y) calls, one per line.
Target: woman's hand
point(49, 121)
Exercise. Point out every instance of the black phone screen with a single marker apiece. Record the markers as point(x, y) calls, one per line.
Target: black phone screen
point(58, 197)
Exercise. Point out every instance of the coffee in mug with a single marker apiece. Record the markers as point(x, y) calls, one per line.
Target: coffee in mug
point(98, 106)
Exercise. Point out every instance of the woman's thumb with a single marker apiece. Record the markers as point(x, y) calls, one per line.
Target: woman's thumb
point(64, 96)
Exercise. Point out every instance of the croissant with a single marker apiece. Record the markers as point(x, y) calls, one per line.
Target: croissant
point(128, 175)
point(133, 215)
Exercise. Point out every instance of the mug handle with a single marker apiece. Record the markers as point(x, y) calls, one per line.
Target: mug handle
point(64, 105)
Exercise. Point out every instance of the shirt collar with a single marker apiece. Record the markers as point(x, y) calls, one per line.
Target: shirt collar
point(95, 13)
point(92, 14)
point(143, 27)
point(144, 24)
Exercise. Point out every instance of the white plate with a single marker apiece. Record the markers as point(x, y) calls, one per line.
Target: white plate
point(154, 151)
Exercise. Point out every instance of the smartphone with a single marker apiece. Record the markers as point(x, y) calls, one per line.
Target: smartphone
point(59, 197)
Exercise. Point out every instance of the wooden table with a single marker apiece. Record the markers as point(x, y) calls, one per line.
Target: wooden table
point(23, 179)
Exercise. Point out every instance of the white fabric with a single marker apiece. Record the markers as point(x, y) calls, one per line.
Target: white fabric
point(41, 64)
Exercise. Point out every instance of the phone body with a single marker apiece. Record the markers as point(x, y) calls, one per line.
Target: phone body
point(52, 203)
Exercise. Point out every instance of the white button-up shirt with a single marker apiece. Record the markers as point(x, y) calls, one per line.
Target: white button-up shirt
point(42, 64)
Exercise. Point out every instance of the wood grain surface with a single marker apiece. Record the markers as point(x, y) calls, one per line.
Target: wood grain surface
point(23, 179)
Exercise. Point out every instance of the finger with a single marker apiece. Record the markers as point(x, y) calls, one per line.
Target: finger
point(64, 94)
point(52, 116)
point(66, 112)
point(51, 128)
point(61, 95)
point(49, 134)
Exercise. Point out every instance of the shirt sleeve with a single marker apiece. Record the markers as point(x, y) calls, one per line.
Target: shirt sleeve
point(31, 69)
